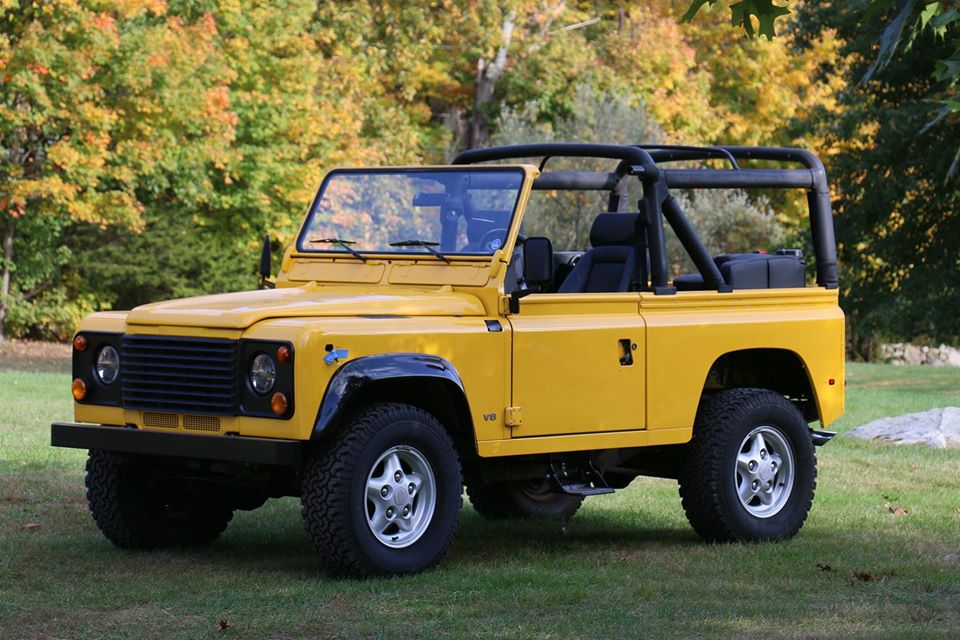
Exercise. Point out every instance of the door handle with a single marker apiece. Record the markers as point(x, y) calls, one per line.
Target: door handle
point(627, 347)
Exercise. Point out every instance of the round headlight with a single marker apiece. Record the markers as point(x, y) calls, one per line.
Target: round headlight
point(263, 374)
point(108, 365)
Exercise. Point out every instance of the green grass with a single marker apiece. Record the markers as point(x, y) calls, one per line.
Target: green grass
point(627, 565)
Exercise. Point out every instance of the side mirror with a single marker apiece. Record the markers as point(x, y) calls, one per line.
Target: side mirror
point(538, 261)
point(265, 264)
point(537, 269)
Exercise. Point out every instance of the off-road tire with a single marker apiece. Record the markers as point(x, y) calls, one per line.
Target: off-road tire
point(131, 510)
point(334, 501)
point(708, 479)
point(521, 499)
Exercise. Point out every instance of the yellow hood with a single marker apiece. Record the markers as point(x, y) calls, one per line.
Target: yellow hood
point(243, 309)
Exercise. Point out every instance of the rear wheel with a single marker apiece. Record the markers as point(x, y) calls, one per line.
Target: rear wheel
point(751, 471)
point(522, 499)
point(383, 497)
point(137, 509)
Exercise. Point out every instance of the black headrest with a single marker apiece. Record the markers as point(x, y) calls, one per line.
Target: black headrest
point(612, 229)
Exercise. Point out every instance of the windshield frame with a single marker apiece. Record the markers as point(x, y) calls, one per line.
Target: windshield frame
point(414, 253)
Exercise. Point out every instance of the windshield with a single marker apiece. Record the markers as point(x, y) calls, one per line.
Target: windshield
point(434, 212)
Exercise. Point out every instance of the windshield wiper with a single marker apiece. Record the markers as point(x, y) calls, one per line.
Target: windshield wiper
point(343, 243)
point(429, 246)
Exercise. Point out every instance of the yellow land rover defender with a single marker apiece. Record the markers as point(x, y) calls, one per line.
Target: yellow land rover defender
point(418, 339)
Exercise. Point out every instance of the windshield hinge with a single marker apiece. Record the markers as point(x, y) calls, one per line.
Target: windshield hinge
point(513, 416)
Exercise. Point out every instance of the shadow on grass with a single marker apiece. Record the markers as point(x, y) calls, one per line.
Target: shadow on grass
point(272, 540)
point(270, 545)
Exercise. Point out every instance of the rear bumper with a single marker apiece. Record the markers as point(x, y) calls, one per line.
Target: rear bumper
point(180, 445)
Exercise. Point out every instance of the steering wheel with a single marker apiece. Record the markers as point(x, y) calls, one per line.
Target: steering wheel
point(493, 240)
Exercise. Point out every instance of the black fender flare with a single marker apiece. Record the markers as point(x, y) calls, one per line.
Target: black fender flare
point(356, 374)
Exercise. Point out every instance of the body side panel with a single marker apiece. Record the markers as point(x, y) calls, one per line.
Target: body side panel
point(578, 364)
point(687, 332)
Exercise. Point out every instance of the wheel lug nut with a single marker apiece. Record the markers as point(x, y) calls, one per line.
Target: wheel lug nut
point(384, 491)
point(769, 483)
point(406, 510)
point(755, 485)
point(763, 453)
point(773, 465)
point(752, 465)
point(397, 476)
point(411, 488)
point(390, 513)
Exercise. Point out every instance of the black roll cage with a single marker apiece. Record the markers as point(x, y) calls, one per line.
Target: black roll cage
point(643, 161)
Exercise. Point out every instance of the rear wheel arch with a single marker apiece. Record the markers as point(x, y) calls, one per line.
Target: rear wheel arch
point(779, 370)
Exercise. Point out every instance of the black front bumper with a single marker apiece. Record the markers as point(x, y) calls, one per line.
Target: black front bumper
point(179, 445)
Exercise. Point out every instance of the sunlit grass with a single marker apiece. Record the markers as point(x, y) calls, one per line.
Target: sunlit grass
point(627, 565)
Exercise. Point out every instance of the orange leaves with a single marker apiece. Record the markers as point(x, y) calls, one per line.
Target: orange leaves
point(217, 106)
point(157, 60)
point(104, 22)
point(207, 25)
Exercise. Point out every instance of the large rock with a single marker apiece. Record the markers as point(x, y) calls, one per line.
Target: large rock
point(937, 428)
point(898, 353)
point(912, 354)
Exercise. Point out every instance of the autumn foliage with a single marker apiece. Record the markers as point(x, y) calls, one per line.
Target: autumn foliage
point(146, 146)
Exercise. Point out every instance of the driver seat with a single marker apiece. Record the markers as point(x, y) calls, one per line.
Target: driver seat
point(607, 267)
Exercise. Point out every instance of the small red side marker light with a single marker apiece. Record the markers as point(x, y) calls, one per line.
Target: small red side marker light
point(78, 389)
point(831, 382)
point(283, 353)
point(278, 403)
point(80, 343)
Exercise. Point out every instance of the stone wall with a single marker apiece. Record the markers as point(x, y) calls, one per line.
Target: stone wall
point(903, 353)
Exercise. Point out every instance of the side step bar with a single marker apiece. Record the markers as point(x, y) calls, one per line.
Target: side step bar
point(578, 481)
point(821, 438)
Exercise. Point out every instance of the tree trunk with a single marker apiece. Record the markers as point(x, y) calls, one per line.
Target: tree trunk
point(487, 75)
point(5, 281)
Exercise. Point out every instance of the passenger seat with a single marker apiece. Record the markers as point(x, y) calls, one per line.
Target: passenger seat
point(609, 265)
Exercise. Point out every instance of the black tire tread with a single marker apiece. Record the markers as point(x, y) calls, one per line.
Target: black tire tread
point(496, 501)
point(700, 492)
point(106, 503)
point(326, 486)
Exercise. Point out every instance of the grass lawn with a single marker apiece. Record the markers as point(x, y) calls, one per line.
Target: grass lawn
point(627, 565)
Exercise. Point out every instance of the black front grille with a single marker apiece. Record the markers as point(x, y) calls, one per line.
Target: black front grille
point(180, 375)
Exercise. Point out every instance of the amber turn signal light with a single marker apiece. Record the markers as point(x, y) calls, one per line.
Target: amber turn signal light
point(80, 343)
point(78, 389)
point(278, 403)
point(283, 353)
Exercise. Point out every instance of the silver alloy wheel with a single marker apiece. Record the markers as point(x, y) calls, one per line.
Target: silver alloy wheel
point(401, 496)
point(764, 472)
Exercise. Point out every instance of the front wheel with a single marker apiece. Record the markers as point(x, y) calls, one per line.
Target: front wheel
point(751, 471)
point(383, 497)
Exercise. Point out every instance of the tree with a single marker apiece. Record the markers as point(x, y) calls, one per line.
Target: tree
point(166, 137)
point(297, 99)
point(743, 14)
point(100, 106)
point(896, 215)
point(907, 21)
point(727, 221)
point(915, 21)
point(565, 216)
